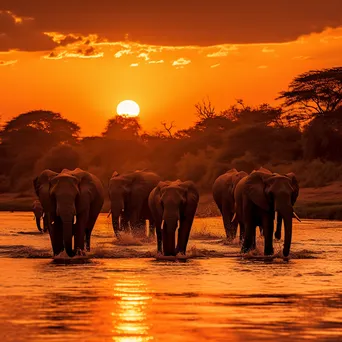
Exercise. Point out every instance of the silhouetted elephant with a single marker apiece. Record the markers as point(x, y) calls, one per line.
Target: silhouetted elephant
point(74, 194)
point(173, 203)
point(223, 194)
point(258, 196)
point(128, 193)
point(39, 214)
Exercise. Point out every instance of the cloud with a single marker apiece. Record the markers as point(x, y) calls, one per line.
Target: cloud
point(156, 62)
point(74, 46)
point(267, 50)
point(15, 18)
point(6, 63)
point(21, 33)
point(162, 23)
point(134, 65)
point(144, 55)
point(215, 65)
point(302, 58)
point(222, 52)
point(262, 67)
point(181, 62)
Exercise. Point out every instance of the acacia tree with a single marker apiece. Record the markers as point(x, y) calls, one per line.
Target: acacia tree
point(122, 127)
point(313, 94)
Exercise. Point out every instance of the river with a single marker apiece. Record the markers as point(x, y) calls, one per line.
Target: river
point(122, 293)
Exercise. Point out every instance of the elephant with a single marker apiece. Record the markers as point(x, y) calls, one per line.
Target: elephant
point(223, 194)
point(257, 198)
point(38, 211)
point(79, 194)
point(41, 186)
point(128, 193)
point(172, 203)
point(63, 196)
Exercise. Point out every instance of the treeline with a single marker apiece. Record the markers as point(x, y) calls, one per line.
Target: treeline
point(303, 135)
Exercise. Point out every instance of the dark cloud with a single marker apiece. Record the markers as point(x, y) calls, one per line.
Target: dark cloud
point(22, 34)
point(177, 22)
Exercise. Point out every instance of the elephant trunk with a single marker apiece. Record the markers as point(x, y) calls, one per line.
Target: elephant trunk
point(38, 223)
point(279, 221)
point(288, 234)
point(67, 237)
point(284, 209)
point(169, 233)
point(115, 223)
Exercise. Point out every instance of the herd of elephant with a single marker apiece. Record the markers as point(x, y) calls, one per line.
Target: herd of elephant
point(70, 201)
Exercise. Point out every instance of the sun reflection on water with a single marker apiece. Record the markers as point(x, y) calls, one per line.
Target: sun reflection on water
point(129, 321)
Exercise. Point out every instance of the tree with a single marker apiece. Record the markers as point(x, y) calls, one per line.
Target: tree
point(205, 110)
point(27, 137)
point(58, 158)
point(262, 114)
point(314, 93)
point(122, 127)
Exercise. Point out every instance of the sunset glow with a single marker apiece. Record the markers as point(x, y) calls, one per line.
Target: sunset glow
point(62, 61)
point(128, 107)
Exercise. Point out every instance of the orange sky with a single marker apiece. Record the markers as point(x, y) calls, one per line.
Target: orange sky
point(84, 69)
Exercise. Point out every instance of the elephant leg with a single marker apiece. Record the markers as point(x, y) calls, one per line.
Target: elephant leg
point(183, 235)
point(268, 234)
point(81, 224)
point(139, 228)
point(242, 231)
point(277, 234)
point(45, 223)
point(91, 223)
point(159, 237)
point(56, 236)
point(229, 227)
point(124, 220)
point(249, 240)
point(151, 228)
point(261, 230)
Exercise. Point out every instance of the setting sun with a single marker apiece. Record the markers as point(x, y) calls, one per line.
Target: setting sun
point(128, 107)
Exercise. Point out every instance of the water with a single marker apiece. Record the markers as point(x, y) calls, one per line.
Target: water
point(121, 293)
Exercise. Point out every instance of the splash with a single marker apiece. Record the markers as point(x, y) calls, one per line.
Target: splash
point(127, 239)
point(63, 258)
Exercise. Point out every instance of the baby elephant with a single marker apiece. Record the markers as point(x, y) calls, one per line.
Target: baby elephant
point(38, 213)
point(173, 205)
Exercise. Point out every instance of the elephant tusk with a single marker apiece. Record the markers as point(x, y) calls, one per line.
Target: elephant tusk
point(233, 218)
point(162, 224)
point(74, 220)
point(110, 211)
point(296, 216)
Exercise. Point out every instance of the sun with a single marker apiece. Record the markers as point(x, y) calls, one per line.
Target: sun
point(128, 107)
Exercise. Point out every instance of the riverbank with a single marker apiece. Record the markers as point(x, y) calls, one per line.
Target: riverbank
point(312, 203)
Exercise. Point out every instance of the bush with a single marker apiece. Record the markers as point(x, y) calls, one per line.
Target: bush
point(58, 158)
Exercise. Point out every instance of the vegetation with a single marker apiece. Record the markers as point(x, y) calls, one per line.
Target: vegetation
point(303, 135)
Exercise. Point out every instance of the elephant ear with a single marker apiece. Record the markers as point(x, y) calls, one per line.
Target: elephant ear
point(162, 184)
point(232, 171)
point(36, 186)
point(295, 186)
point(235, 180)
point(191, 195)
point(255, 189)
